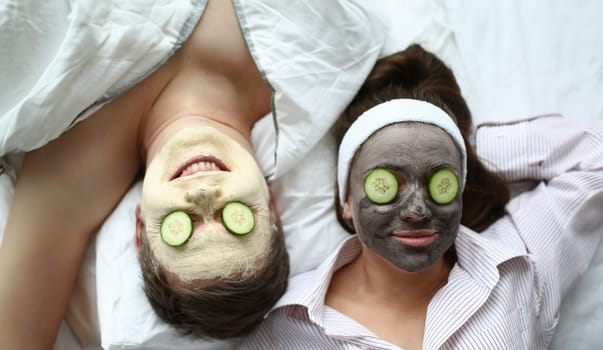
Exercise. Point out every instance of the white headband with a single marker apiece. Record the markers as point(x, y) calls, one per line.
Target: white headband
point(390, 112)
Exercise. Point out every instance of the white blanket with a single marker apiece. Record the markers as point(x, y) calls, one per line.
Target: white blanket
point(59, 59)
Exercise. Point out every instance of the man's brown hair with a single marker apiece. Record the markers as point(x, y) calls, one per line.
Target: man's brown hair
point(225, 309)
point(418, 74)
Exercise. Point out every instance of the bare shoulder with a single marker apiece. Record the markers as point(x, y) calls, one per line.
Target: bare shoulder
point(91, 165)
point(64, 192)
point(80, 174)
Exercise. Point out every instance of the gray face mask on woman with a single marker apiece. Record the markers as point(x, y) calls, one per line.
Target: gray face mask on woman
point(411, 231)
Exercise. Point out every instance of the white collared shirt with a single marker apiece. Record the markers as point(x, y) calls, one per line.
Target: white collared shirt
point(505, 289)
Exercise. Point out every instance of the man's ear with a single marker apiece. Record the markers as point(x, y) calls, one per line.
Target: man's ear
point(272, 206)
point(139, 228)
point(273, 209)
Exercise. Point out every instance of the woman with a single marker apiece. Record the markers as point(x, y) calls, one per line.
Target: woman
point(187, 126)
point(412, 276)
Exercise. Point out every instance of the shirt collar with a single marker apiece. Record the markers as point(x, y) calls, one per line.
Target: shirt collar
point(479, 254)
point(309, 289)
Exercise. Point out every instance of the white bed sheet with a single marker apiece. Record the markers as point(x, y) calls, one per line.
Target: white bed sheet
point(512, 59)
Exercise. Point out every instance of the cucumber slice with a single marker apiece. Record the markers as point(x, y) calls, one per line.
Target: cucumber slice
point(238, 218)
point(176, 228)
point(381, 186)
point(443, 186)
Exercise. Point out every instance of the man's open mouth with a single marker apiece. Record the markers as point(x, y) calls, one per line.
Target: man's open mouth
point(199, 164)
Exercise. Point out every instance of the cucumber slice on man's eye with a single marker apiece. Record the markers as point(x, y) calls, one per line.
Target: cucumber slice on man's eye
point(381, 186)
point(238, 218)
point(176, 228)
point(443, 186)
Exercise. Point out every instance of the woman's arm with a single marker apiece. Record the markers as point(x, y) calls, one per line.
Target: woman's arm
point(561, 219)
point(64, 192)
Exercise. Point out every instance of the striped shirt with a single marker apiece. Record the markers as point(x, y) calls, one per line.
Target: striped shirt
point(506, 287)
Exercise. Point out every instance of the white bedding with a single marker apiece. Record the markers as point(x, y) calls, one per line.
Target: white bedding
point(512, 59)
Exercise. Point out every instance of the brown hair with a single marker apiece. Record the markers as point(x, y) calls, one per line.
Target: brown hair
point(225, 309)
point(417, 74)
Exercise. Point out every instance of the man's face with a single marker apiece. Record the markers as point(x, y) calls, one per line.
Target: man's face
point(412, 231)
point(199, 170)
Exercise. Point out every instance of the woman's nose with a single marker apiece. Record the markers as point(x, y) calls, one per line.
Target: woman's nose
point(415, 209)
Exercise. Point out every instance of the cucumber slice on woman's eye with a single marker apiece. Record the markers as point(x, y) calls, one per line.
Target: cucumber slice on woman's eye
point(443, 186)
point(381, 186)
point(176, 228)
point(238, 218)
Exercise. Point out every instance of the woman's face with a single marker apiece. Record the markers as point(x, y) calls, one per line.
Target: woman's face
point(412, 231)
point(199, 170)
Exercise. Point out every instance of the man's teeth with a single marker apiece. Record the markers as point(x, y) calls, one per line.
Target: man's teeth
point(199, 167)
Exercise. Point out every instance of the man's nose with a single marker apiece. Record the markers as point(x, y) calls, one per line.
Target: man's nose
point(415, 209)
point(204, 196)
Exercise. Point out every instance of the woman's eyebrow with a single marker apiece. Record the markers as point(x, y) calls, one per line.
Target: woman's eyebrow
point(390, 166)
point(404, 167)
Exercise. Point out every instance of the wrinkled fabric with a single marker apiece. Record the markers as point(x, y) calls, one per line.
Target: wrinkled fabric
point(61, 60)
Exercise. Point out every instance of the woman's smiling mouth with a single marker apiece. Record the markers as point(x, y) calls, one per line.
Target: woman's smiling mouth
point(199, 164)
point(415, 238)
